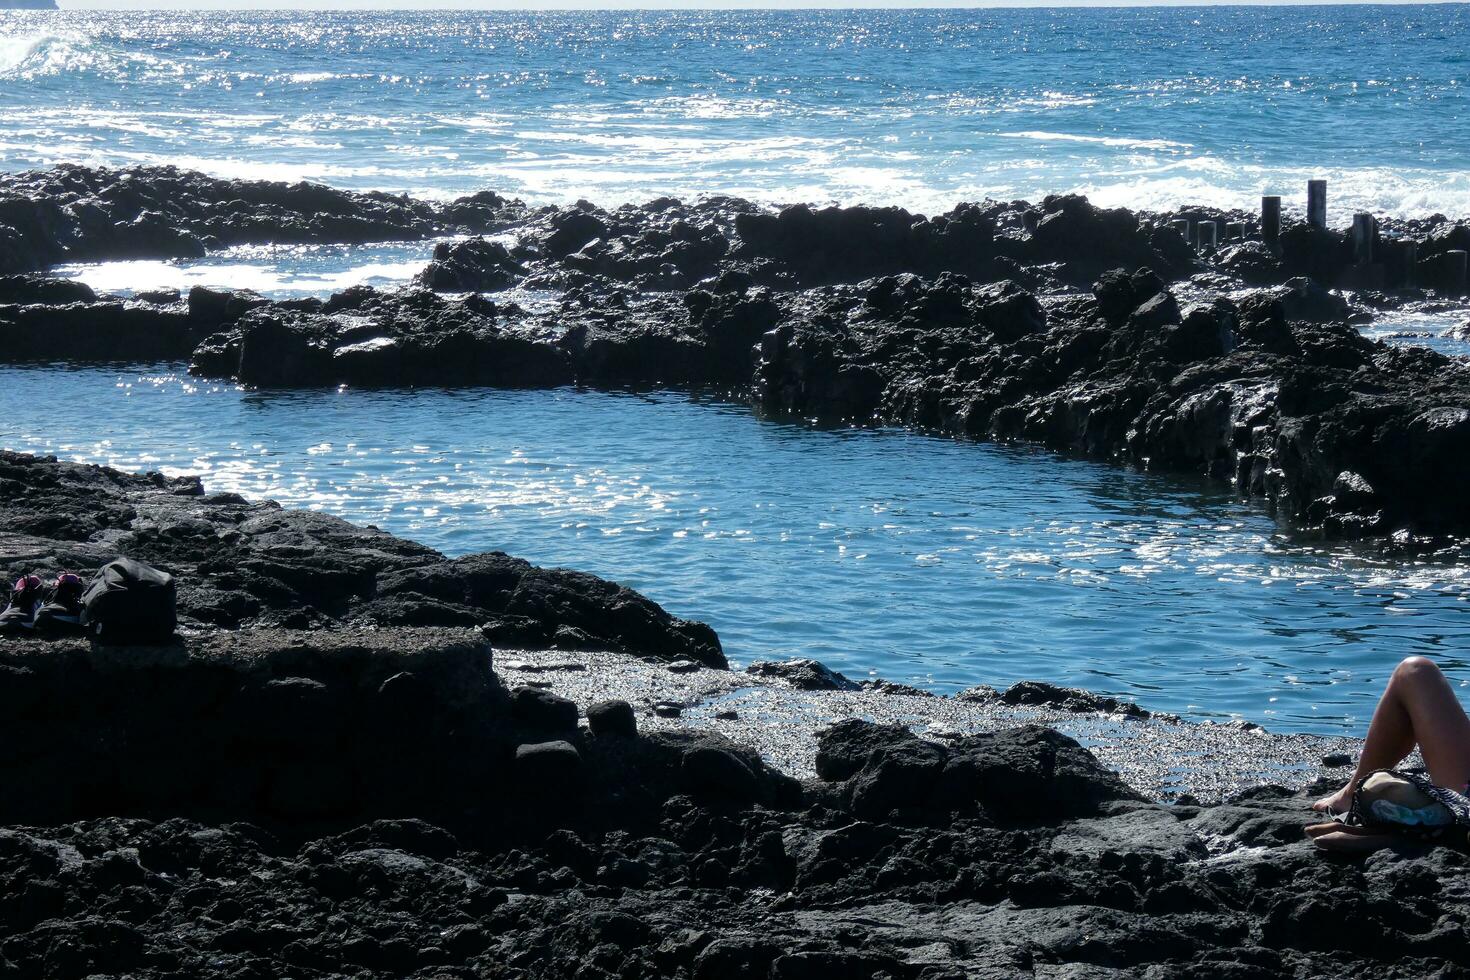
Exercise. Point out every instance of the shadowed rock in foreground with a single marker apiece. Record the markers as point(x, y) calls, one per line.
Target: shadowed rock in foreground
point(381, 807)
point(308, 797)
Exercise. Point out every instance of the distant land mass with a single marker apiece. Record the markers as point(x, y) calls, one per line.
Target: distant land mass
point(27, 4)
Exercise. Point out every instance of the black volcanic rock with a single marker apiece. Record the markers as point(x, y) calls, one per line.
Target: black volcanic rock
point(77, 214)
point(1253, 262)
point(1318, 253)
point(402, 340)
point(74, 213)
point(1089, 240)
point(1271, 390)
point(849, 244)
point(1022, 775)
point(31, 288)
point(473, 265)
point(102, 331)
point(573, 229)
point(1271, 385)
point(534, 708)
point(359, 799)
point(268, 725)
point(612, 718)
point(803, 674)
point(252, 565)
point(214, 309)
point(1068, 698)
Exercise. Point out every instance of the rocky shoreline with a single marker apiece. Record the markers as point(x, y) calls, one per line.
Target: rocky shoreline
point(357, 759)
point(1093, 331)
point(363, 758)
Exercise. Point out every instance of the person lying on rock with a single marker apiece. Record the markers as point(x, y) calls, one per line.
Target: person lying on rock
point(1418, 708)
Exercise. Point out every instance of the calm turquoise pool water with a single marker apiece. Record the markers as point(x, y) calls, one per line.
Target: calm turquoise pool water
point(919, 559)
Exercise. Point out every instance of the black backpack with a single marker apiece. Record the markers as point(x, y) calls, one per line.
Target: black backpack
point(130, 602)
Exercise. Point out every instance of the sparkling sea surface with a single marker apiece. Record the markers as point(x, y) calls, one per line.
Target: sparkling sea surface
point(1143, 107)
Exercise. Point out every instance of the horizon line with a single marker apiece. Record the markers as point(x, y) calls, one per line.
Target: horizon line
point(580, 6)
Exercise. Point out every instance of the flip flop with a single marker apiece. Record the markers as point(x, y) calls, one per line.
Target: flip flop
point(1316, 830)
point(1348, 841)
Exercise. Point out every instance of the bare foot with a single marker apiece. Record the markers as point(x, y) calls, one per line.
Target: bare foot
point(1338, 802)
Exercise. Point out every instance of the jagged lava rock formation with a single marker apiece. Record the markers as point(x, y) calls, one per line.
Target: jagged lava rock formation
point(73, 213)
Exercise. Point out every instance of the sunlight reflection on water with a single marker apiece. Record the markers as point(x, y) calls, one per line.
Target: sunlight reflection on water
point(921, 559)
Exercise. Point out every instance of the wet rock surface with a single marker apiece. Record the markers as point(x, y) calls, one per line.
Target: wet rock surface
point(326, 798)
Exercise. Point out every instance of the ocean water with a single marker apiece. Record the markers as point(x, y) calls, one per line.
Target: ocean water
point(918, 559)
point(274, 271)
point(1141, 107)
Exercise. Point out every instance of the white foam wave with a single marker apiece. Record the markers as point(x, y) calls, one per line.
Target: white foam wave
point(270, 272)
point(15, 50)
point(53, 53)
point(359, 175)
point(32, 54)
point(1216, 183)
point(1116, 141)
point(631, 160)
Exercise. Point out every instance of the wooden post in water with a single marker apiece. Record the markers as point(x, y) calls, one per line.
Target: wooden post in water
point(1028, 220)
point(1271, 219)
point(1364, 231)
point(1409, 255)
point(1317, 203)
point(1235, 231)
point(1457, 269)
point(1209, 235)
point(1181, 225)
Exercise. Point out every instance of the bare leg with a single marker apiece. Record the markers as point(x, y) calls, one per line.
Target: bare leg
point(1418, 707)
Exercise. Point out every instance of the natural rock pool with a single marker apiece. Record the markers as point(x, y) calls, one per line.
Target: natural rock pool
point(919, 559)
